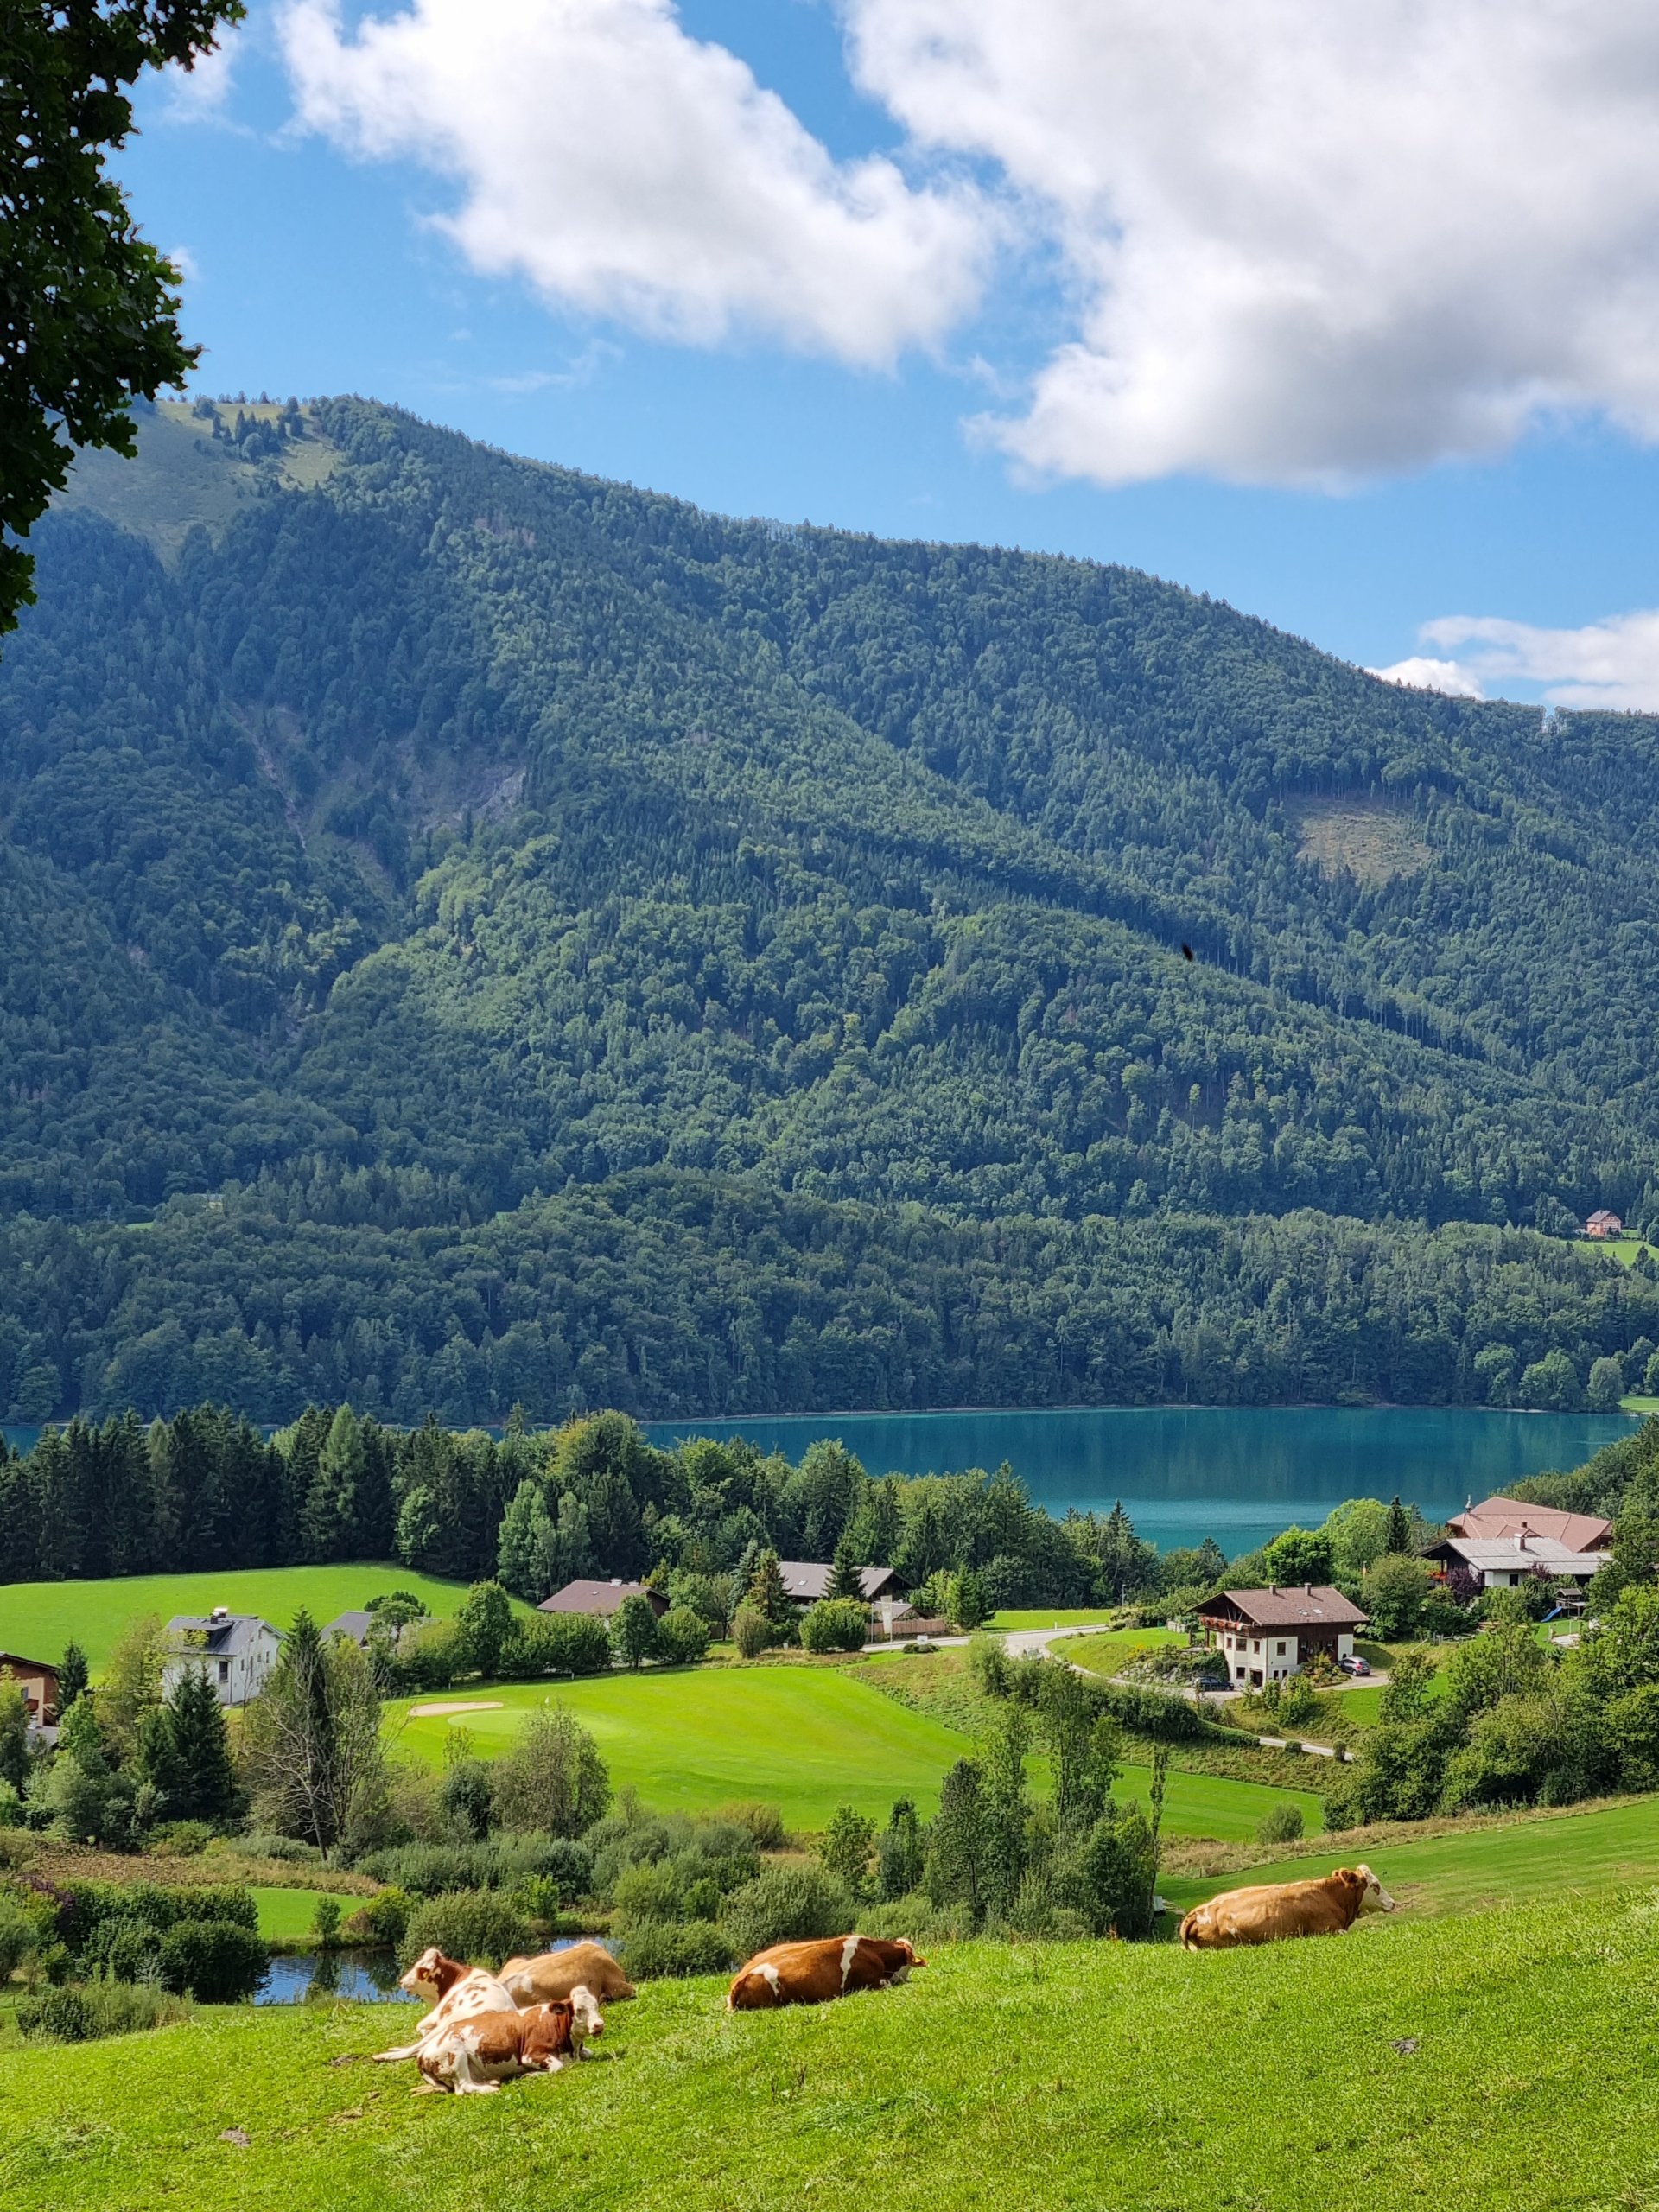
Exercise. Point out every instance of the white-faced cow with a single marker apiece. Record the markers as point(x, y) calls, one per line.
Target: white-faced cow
point(812, 1972)
point(472, 2057)
point(550, 1977)
point(1272, 1911)
point(454, 1991)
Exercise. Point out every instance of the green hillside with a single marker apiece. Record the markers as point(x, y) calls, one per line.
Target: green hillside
point(1501, 2061)
point(475, 934)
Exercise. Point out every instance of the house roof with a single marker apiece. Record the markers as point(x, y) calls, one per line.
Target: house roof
point(18, 1665)
point(1495, 1518)
point(1607, 1220)
point(224, 1636)
point(807, 1581)
point(1508, 1554)
point(599, 1598)
point(1303, 1606)
point(355, 1623)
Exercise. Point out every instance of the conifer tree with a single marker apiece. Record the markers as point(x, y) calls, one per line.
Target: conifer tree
point(199, 1743)
point(329, 1522)
point(769, 1598)
point(1397, 1536)
point(844, 1582)
point(72, 1676)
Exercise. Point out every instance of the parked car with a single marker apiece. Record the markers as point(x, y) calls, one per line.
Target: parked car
point(1353, 1664)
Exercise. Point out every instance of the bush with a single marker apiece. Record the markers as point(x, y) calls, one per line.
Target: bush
point(656, 1947)
point(787, 1904)
point(181, 1838)
point(124, 1950)
point(379, 1919)
point(836, 1624)
point(429, 1869)
point(215, 1961)
point(325, 1923)
point(98, 2008)
point(1149, 1713)
point(750, 1631)
point(19, 1936)
point(1280, 1824)
point(763, 1822)
point(682, 1637)
point(552, 1781)
point(480, 1926)
point(286, 1847)
point(88, 1905)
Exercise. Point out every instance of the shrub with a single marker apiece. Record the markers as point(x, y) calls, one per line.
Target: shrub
point(763, 1822)
point(481, 1926)
point(88, 1905)
point(836, 1624)
point(216, 1961)
point(124, 1950)
point(682, 1637)
point(552, 1781)
point(1110, 1881)
point(784, 1904)
point(286, 1847)
point(379, 1919)
point(656, 1947)
point(634, 1632)
point(671, 1890)
point(19, 1936)
point(1280, 1824)
point(750, 1631)
point(98, 2008)
point(846, 1847)
point(325, 1922)
point(429, 1869)
point(181, 1838)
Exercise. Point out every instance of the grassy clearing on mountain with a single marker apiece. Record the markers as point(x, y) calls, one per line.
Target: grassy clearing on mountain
point(40, 1618)
point(1111, 1653)
point(1406, 2062)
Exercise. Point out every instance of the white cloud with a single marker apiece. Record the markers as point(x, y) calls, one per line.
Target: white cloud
point(186, 263)
point(200, 94)
point(626, 168)
point(1308, 243)
point(1425, 675)
point(1610, 664)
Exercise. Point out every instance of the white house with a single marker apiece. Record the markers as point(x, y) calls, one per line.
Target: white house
point(1509, 1562)
point(1269, 1634)
point(238, 1649)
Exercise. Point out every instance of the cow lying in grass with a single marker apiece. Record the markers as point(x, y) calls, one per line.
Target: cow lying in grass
point(550, 1977)
point(471, 2057)
point(1272, 1911)
point(812, 1972)
point(455, 1992)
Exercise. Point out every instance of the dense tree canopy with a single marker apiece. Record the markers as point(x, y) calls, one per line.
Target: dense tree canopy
point(470, 934)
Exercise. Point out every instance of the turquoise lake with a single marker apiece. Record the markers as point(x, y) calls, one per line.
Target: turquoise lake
point(1185, 1473)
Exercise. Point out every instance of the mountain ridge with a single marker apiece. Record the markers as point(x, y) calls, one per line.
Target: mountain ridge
point(422, 835)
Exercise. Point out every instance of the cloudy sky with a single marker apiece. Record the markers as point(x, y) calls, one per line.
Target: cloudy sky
point(1349, 315)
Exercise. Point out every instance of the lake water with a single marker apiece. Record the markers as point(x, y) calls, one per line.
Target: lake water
point(362, 1977)
point(1185, 1472)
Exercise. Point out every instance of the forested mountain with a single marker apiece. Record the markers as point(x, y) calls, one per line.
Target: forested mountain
point(473, 933)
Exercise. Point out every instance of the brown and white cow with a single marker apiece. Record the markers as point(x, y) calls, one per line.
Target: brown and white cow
point(454, 1992)
point(812, 1972)
point(472, 2057)
point(1272, 1911)
point(550, 1977)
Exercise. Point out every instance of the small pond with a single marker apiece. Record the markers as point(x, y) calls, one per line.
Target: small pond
point(368, 1977)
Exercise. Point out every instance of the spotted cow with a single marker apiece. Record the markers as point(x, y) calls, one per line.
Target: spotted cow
point(471, 2057)
point(812, 1972)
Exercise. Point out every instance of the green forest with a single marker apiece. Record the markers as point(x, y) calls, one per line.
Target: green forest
point(477, 936)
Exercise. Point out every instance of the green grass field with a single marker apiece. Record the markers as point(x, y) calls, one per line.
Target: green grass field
point(1082, 1616)
point(285, 1916)
point(1527, 1860)
point(804, 1738)
point(1498, 2063)
point(38, 1618)
point(1110, 1653)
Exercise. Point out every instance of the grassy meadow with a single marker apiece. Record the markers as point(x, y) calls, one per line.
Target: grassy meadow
point(1527, 1859)
point(1496, 2063)
point(1110, 1653)
point(38, 1618)
point(805, 1738)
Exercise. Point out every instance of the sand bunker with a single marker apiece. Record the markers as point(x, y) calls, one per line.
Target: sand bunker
point(442, 1712)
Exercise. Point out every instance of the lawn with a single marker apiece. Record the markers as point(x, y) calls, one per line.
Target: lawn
point(38, 1618)
point(1501, 2064)
point(1531, 1859)
point(804, 1738)
point(1051, 1617)
point(1110, 1653)
point(285, 1916)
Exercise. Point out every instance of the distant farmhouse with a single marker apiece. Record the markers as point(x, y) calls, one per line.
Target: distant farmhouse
point(1268, 1635)
point(1503, 1542)
point(238, 1649)
point(599, 1600)
point(38, 1680)
point(1603, 1223)
point(807, 1581)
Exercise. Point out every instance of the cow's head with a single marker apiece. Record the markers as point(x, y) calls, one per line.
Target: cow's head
point(755, 1989)
point(1373, 1897)
point(906, 1959)
point(547, 2032)
point(432, 1976)
point(588, 2024)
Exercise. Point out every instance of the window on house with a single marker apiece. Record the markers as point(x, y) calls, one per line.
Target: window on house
point(224, 1670)
point(1282, 1650)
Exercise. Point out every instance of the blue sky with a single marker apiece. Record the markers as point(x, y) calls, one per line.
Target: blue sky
point(1037, 326)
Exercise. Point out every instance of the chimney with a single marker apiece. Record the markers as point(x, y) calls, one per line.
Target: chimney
point(616, 1582)
point(221, 1612)
point(1273, 1589)
point(1307, 1589)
